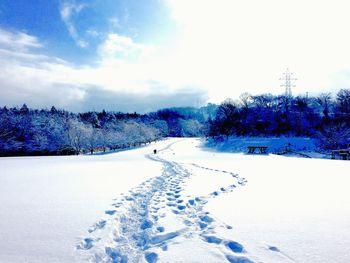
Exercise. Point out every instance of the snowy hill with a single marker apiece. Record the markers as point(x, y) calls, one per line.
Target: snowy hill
point(183, 204)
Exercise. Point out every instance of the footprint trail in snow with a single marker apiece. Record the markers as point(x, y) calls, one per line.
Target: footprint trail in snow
point(144, 223)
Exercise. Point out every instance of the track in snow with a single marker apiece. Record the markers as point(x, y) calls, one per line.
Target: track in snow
point(136, 226)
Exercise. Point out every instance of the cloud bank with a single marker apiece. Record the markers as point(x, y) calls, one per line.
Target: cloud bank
point(114, 83)
point(219, 49)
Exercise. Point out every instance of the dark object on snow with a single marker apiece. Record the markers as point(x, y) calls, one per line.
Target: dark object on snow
point(155, 151)
point(262, 149)
point(343, 153)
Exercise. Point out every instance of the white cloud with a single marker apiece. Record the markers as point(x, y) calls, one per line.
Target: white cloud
point(92, 32)
point(18, 40)
point(118, 46)
point(116, 83)
point(67, 10)
point(225, 48)
point(232, 46)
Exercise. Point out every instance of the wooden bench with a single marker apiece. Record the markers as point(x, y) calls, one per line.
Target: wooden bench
point(262, 149)
point(343, 153)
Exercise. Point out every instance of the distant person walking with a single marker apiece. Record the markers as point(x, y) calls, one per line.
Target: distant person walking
point(155, 151)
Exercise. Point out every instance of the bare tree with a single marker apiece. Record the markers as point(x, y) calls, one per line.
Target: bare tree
point(245, 100)
point(324, 100)
point(343, 102)
point(334, 136)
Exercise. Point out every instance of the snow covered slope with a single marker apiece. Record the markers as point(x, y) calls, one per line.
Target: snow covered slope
point(183, 204)
point(48, 203)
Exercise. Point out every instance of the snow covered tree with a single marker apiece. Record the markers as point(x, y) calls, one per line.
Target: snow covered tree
point(192, 128)
point(78, 135)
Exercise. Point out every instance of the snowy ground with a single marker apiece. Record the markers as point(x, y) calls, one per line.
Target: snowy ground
point(184, 204)
point(298, 146)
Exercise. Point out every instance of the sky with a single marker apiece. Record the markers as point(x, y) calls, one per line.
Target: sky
point(142, 55)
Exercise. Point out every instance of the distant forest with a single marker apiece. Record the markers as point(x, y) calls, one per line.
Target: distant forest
point(324, 118)
point(25, 131)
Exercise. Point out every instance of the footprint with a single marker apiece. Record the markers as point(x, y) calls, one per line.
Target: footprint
point(275, 249)
point(162, 238)
point(233, 259)
point(212, 239)
point(110, 212)
point(235, 246)
point(202, 225)
point(86, 244)
point(206, 219)
point(161, 229)
point(115, 255)
point(117, 205)
point(165, 248)
point(151, 257)
point(146, 224)
point(99, 225)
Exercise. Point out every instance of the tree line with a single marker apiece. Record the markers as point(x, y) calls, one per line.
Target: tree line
point(323, 117)
point(25, 131)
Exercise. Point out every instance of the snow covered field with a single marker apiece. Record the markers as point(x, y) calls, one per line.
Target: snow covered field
point(298, 146)
point(184, 204)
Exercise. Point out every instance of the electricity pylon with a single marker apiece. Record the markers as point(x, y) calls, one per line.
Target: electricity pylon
point(288, 82)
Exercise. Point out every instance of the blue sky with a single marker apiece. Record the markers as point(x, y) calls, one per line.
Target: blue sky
point(73, 30)
point(140, 55)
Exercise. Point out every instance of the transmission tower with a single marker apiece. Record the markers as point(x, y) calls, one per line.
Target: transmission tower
point(288, 82)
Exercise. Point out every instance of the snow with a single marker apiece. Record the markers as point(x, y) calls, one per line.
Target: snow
point(300, 206)
point(183, 204)
point(48, 203)
point(235, 144)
